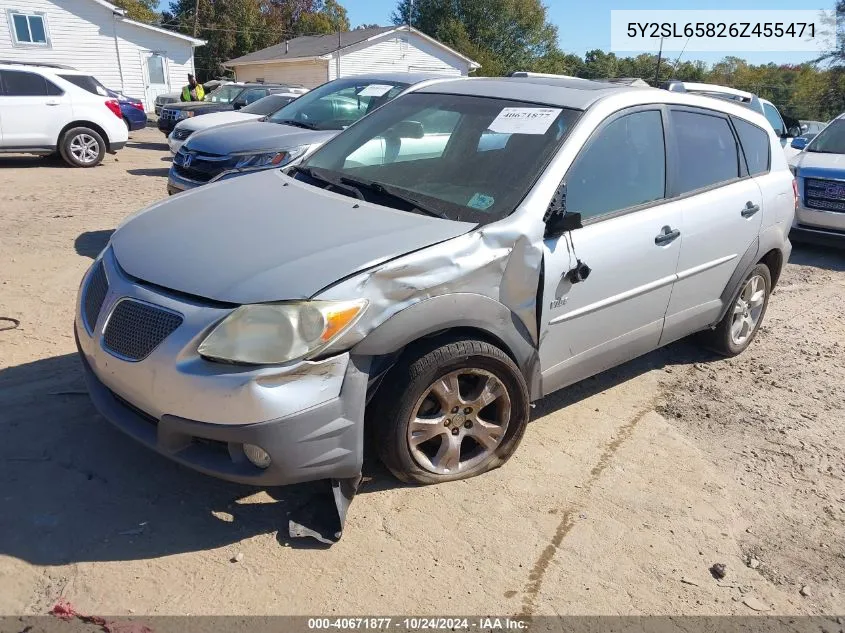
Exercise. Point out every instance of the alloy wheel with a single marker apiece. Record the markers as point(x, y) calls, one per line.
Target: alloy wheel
point(459, 421)
point(747, 309)
point(85, 148)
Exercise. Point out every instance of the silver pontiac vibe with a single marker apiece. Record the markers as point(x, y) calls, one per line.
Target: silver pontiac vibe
point(467, 248)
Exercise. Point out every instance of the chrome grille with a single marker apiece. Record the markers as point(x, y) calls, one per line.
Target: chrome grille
point(181, 135)
point(828, 195)
point(95, 294)
point(169, 115)
point(135, 329)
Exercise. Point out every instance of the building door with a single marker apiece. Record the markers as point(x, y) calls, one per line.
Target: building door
point(154, 67)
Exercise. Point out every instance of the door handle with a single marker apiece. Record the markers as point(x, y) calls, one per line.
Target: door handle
point(53, 102)
point(749, 209)
point(667, 234)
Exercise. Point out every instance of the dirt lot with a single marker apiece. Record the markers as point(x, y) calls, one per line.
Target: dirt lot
point(625, 491)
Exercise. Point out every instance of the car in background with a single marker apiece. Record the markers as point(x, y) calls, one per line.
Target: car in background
point(819, 171)
point(227, 97)
point(283, 137)
point(166, 99)
point(47, 109)
point(255, 110)
point(797, 146)
point(131, 109)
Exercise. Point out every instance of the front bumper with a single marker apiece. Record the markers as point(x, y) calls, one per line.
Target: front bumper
point(816, 235)
point(307, 416)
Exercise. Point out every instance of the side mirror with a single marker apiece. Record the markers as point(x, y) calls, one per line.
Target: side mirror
point(559, 224)
point(799, 142)
point(407, 129)
point(794, 131)
point(558, 220)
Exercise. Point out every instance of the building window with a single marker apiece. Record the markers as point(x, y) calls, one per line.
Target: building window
point(29, 29)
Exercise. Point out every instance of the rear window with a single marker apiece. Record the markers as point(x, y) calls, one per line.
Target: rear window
point(755, 146)
point(18, 83)
point(87, 83)
point(707, 151)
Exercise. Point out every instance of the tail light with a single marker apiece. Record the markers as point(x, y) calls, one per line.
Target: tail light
point(114, 106)
point(137, 105)
point(795, 192)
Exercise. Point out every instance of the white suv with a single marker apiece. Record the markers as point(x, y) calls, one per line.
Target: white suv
point(45, 109)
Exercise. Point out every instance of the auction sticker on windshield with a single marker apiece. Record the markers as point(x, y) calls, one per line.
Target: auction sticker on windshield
point(524, 120)
point(375, 90)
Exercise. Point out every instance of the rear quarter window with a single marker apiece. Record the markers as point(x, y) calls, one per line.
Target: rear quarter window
point(755, 145)
point(87, 83)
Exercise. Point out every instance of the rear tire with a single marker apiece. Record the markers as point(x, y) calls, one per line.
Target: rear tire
point(742, 321)
point(82, 147)
point(449, 410)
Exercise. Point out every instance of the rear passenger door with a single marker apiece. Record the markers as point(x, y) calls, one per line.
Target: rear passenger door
point(34, 109)
point(631, 238)
point(722, 212)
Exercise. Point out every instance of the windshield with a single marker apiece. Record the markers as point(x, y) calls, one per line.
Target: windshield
point(830, 140)
point(460, 157)
point(267, 105)
point(223, 94)
point(338, 104)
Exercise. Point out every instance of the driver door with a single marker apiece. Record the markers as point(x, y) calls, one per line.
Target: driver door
point(630, 239)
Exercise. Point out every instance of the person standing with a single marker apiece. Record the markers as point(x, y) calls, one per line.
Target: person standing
point(193, 91)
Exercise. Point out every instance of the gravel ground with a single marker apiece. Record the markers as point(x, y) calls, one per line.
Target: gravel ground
point(626, 490)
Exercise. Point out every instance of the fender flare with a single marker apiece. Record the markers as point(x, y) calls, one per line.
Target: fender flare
point(458, 310)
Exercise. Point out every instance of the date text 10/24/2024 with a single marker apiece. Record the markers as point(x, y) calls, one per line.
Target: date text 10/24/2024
point(420, 624)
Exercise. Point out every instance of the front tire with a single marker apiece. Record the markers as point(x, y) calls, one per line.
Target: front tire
point(82, 147)
point(740, 325)
point(450, 410)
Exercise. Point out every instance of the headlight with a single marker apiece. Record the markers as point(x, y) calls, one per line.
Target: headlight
point(270, 159)
point(269, 333)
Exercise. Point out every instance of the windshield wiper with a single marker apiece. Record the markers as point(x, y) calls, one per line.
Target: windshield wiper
point(302, 124)
point(388, 191)
point(314, 174)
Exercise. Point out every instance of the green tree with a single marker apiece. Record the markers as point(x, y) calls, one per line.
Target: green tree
point(140, 10)
point(501, 35)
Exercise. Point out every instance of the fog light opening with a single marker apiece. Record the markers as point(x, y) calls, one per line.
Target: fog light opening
point(257, 456)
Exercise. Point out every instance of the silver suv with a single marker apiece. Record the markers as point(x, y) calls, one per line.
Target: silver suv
point(466, 249)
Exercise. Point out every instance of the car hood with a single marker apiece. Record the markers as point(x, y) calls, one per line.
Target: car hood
point(820, 161)
point(256, 135)
point(215, 118)
point(267, 237)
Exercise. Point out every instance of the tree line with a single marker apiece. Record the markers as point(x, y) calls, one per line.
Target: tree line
point(502, 35)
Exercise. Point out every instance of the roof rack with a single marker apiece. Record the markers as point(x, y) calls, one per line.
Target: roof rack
point(724, 93)
point(14, 62)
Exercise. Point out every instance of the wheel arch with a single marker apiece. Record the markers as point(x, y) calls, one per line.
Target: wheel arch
point(467, 314)
point(82, 123)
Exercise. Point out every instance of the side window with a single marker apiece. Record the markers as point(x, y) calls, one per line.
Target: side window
point(755, 146)
point(254, 94)
point(707, 151)
point(773, 116)
point(23, 84)
point(623, 166)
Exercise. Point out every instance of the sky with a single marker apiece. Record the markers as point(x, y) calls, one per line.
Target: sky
point(581, 29)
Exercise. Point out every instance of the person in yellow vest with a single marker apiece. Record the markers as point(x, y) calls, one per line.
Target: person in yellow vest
point(193, 91)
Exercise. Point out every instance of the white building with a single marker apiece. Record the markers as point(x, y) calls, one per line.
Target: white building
point(313, 60)
point(96, 37)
